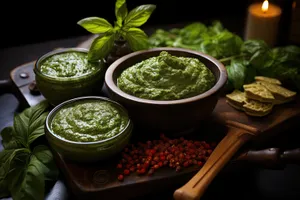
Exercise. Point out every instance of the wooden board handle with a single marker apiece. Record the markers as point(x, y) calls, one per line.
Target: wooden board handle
point(223, 152)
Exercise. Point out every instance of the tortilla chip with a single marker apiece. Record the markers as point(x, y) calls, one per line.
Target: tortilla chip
point(257, 108)
point(258, 92)
point(236, 106)
point(281, 94)
point(237, 98)
point(267, 79)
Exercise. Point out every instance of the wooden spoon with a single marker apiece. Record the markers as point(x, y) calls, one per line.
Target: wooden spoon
point(238, 134)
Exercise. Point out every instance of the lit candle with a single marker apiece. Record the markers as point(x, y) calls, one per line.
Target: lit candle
point(262, 22)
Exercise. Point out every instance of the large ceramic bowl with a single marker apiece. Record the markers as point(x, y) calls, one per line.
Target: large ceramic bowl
point(87, 151)
point(168, 116)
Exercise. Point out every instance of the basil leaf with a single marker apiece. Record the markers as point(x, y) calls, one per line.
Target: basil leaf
point(101, 47)
point(137, 39)
point(29, 124)
point(36, 128)
point(139, 15)
point(46, 162)
point(95, 24)
point(192, 32)
point(6, 156)
point(262, 60)
point(216, 27)
point(120, 11)
point(228, 43)
point(251, 47)
point(289, 55)
point(8, 140)
point(282, 72)
point(4, 192)
point(26, 179)
point(210, 48)
point(250, 74)
point(237, 73)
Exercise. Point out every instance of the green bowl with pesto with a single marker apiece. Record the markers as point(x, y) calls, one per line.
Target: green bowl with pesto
point(88, 129)
point(66, 73)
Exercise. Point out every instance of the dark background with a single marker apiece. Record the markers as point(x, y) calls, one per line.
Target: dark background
point(26, 22)
point(30, 29)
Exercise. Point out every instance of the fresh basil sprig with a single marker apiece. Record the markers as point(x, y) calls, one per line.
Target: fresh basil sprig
point(125, 27)
point(25, 167)
point(243, 59)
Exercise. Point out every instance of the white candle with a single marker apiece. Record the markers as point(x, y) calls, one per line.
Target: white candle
point(262, 22)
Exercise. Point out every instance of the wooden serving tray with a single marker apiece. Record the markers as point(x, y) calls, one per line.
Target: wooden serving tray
point(91, 181)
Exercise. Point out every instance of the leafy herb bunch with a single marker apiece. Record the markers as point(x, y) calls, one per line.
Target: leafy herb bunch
point(25, 166)
point(125, 28)
point(243, 59)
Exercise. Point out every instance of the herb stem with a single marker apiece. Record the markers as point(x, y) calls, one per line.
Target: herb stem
point(224, 60)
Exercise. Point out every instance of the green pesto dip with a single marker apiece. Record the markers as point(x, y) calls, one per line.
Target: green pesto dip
point(68, 64)
point(89, 121)
point(166, 77)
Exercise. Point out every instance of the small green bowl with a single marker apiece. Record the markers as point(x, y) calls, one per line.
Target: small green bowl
point(59, 89)
point(87, 151)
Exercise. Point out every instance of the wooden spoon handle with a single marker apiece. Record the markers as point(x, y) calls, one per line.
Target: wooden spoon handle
point(223, 152)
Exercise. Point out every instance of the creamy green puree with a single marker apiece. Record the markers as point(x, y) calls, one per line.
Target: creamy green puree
point(67, 64)
point(88, 121)
point(166, 77)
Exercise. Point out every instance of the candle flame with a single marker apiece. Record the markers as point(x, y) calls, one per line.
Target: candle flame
point(265, 6)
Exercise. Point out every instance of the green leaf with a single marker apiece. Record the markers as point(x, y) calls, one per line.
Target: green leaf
point(37, 128)
point(139, 15)
point(46, 162)
point(101, 47)
point(26, 180)
point(210, 48)
point(250, 74)
point(7, 168)
point(137, 39)
point(4, 192)
point(6, 159)
point(8, 140)
point(237, 73)
point(29, 124)
point(289, 55)
point(262, 60)
point(228, 43)
point(251, 47)
point(120, 11)
point(95, 25)
point(216, 27)
point(192, 32)
point(282, 72)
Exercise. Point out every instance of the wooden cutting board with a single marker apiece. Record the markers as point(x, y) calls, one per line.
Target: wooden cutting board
point(231, 128)
point(91, 181)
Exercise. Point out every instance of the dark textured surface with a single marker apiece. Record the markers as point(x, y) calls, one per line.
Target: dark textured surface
point(250, 182)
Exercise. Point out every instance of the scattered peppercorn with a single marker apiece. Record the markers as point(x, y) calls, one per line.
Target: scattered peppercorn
point(146, 158)
point(126, 172)
point(120, 177)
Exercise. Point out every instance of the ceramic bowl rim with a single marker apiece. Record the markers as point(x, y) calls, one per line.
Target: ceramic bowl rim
point(53, 112)
point(109, 78)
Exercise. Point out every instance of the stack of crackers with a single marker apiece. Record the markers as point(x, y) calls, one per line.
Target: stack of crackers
point(259, 97)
